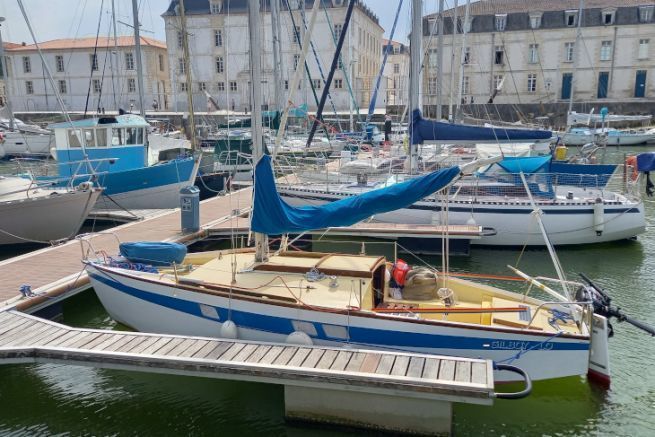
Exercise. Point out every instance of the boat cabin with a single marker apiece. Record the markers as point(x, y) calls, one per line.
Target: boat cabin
point(119, 142)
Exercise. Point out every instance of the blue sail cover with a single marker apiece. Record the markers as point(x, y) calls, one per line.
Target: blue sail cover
point(430, 130)
point(273, 216)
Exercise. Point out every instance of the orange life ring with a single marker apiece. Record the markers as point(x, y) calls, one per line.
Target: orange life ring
point(631, 161)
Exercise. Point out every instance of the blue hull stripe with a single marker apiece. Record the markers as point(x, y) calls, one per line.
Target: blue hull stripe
point(527, 210)
point(372, 336)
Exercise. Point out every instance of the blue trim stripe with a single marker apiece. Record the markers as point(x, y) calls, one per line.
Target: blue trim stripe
point(370, 336)
point(471, 209)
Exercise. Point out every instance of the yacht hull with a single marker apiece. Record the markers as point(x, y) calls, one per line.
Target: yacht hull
point(514, 222)
point(46, 217)
point(152, 306)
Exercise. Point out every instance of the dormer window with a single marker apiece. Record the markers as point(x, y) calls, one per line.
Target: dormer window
point(501, 22)
point(646, 13)
point(466, 26)
point(608, 16)
point(571, 18)
point(433, 27)
point(535, 20)
point(215, 7)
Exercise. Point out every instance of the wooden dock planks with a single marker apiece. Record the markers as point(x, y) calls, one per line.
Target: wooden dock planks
point(53, 268)
point(403, 371)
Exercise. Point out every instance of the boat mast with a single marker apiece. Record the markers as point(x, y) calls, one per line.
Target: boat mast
point(452, 62)
point(5, 73)
point(462, 55)
point(187, 73)
point(414, 75)
point(114, 56)
point(297, 76)
point(139, 67)
point(261, 240)
point(576, 49)
point(275, 28)
point(440, 61)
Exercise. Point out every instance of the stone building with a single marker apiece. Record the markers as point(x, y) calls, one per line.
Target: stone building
point(527, 50)
point(105, 71)
point(219, 46)
point(396, 73)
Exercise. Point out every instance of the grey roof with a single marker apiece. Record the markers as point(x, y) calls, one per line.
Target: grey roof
point(200, 7)
point(491, 7)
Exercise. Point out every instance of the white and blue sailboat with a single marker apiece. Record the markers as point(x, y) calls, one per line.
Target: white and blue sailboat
point(328, 299)
point(115, 147)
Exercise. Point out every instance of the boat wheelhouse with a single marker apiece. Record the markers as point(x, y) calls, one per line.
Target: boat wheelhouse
point(115, 148)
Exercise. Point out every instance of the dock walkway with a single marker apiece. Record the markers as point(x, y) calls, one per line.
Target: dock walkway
point(379, 389)
point(56, 270)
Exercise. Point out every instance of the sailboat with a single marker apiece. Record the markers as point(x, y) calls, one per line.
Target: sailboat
point(30, 213)
point(359, 300)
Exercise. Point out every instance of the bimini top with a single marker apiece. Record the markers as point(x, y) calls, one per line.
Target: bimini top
point(127, 120)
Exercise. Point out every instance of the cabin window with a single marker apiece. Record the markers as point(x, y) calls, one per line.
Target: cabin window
point(74, 137)
point(101, 137)
point(306, 327)
point(89, 140)
point(336, 331)
point(117, 137)
point(131, 137)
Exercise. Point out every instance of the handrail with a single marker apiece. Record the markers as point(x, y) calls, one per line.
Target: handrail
point(526, 378)
point(86, 237)
point(534, 316)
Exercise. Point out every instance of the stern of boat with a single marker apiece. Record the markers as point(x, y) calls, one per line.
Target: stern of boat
point(599, 354)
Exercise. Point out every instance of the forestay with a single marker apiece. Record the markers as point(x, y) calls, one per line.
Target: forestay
point(273, 216)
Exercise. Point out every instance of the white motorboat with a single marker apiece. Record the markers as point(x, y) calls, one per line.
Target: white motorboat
point(608, 136)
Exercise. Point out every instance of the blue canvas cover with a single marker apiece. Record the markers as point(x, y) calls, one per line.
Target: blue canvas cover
point(528, 164)
point(153, 253)
point(646, 161)
point(273, 216)
point(430, 130)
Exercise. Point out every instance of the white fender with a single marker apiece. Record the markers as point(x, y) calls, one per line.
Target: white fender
point(599, 217)
point(229, 330)
point(299, 338)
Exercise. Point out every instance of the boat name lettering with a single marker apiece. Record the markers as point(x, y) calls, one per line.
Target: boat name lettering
point(519, 345)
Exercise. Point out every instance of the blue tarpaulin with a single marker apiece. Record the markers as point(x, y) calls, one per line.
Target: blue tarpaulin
point(528, 164)
point(646, 162)
point(430, 130)
point(273, 216)
point(153, 253)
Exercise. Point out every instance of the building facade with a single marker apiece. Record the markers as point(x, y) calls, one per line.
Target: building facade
point(219, 58)
point(105, 72)
point(396, 74)
point(526, 52)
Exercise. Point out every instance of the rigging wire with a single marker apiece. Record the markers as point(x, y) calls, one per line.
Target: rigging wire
point(94, 59)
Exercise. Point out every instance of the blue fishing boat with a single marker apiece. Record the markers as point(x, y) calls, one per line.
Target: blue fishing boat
point(115, 148)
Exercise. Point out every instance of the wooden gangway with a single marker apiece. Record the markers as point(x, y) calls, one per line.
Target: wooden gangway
point(57, 271)
point(384, 390)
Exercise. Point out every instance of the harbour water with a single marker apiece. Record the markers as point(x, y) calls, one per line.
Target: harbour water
point(65, 400)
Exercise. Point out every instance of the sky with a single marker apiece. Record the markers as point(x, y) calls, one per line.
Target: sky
point(53, 19)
